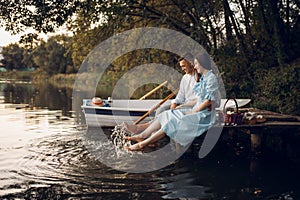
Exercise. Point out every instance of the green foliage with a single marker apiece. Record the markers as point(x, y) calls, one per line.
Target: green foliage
point(16, 75)
point(246, 38)
point(277, 89)
point(84, 41)
point(42, 15)
point(16, 57)
point(51, 56)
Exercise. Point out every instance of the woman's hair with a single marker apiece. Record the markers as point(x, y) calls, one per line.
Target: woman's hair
point(198, 76)
point(204, 60)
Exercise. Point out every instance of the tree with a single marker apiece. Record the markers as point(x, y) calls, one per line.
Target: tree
point(51, 56)
point(41, 15)
point(242, 36)
point(203, 20)
point(13, 56)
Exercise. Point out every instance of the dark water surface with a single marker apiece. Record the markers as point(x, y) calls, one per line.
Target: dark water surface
point(43, 156)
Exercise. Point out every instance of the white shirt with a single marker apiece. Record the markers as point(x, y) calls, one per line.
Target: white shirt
point(185, 93)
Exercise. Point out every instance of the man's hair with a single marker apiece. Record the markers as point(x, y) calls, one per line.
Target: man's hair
point(188, 57)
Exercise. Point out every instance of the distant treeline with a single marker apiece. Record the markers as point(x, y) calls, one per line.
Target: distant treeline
point(254, 43)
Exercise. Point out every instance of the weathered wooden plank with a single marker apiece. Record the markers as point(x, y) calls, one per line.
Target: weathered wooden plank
point(278, 124)
point(291, 124)
point(273, 116)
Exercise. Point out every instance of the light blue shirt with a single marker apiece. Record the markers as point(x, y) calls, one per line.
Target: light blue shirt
point(207, 89)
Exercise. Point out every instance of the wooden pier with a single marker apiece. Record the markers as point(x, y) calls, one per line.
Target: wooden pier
point(276, 124)
point(278, 132)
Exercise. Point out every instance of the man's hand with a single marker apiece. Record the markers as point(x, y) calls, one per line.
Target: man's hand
point(173, 106)
point(209, 107)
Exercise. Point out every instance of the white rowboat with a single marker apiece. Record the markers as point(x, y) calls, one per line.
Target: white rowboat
point(129, 111)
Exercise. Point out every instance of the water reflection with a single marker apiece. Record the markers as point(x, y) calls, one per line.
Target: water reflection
point(43, 156)
point(42, 95)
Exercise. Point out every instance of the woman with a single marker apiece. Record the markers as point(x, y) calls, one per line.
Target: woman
point(184, 124)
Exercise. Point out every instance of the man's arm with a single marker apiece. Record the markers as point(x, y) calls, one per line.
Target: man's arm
point(180, 97)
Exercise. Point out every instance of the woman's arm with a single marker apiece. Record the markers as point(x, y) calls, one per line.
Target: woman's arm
point(188, 104)
point(202, 106)
point(205, 104)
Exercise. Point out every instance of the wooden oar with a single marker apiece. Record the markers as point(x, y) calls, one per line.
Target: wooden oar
point(155, 107)
point(152, 91)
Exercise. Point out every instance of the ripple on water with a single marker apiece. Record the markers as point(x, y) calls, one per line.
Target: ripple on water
point(62, 161)
point(60, 164)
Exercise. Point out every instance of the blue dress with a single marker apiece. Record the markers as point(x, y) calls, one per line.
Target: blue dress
point(184, 128)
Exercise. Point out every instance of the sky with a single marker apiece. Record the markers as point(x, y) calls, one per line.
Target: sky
point(6, 38)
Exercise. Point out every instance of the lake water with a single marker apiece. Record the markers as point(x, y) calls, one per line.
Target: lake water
point(42, 156)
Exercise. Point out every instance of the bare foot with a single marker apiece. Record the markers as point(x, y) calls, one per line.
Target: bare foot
point(135, 147)
point(135, 139)
point(131, 128)
point(152, 145)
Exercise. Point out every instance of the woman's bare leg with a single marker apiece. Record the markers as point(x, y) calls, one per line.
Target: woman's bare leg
point(154, 126)
point(136, 128)
point(153, 138)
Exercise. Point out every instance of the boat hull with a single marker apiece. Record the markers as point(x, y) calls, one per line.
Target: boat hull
point(130, 111)
point(119, 111)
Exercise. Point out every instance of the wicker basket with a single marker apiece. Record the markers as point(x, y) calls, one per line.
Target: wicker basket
point(233, 118)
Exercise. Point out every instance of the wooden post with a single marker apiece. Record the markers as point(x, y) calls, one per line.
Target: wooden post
point(232, 135)
point(256, 143)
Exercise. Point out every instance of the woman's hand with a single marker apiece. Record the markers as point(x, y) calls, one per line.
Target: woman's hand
point(180, 106)
point(189, 104)
point(189, 112)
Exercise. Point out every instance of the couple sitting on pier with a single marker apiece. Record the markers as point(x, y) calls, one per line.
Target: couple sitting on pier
point(189, 120)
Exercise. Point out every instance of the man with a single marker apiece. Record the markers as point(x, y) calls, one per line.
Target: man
point(184, 95)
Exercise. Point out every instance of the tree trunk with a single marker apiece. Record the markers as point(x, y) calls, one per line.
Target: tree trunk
point(279, 33)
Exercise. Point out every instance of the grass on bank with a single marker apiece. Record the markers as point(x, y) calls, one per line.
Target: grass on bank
point(16, 75)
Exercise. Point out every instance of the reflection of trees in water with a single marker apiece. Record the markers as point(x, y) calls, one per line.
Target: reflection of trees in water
point(18, 93)
point(54, 98)
point(59, 97)
point(42, 95)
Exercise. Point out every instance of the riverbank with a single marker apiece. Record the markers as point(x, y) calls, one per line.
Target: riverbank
point(272, 92)
point(16, 75)
point(104, 88)
point(38, 77)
